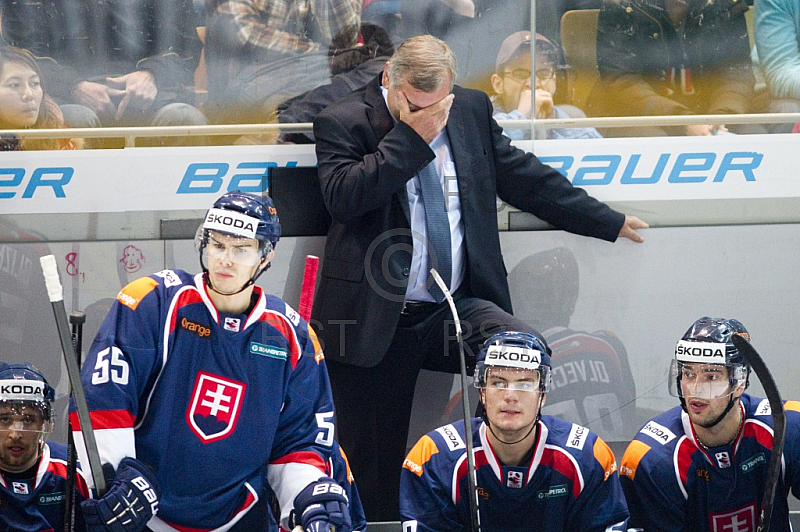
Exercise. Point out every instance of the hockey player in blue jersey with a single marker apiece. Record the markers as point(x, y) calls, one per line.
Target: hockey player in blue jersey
point(203, 390)
point(533, 471)
point(32, 471)
point(702, 466)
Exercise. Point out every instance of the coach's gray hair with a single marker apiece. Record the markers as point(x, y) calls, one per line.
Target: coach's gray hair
point(424, 61)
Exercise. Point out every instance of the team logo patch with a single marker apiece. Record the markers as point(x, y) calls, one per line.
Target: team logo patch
point(514, 479)
point(20, 487)
point(741, 520)
point(451, 436)
point(232, 324)
point(270, 351)
point(723, 459)
point(215, 406)
point(170, 278)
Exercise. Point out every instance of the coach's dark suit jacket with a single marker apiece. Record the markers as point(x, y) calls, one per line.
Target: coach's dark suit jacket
point(365, 161)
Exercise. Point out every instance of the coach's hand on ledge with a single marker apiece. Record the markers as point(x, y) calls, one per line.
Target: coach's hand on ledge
point(629, 229)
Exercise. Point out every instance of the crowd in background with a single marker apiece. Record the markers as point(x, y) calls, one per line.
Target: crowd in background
point(185, 62)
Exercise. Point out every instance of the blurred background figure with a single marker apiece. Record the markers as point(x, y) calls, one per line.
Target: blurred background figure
point(592, 383)
point(112, 63)
point(260, 53)
point(673, 57)
point(777, 34)
point(512, 83)
point(24, 104)
point(32, 470)
point(352, 68)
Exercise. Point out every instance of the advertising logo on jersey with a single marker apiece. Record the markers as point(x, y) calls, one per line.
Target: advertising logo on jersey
point(20, 487)
point(658, 432)
point(197, 328)
point(134, 292)
point(763, 408)
point(214, 409)
point(750, 463)
point(577, 436)
point(513, 356)
point(452, 437)
point(703, 352)
point(514, 479)
point(232, 324)
point(270, 351)
point(741, 520)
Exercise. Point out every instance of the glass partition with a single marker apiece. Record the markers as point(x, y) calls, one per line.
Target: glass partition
point(597, 66)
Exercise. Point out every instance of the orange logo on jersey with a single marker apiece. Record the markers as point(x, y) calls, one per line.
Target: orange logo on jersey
point(630, 460)
point(136, 291)
point(318, 355)
point(420, 454)
point(200, 330)
point(604, 456)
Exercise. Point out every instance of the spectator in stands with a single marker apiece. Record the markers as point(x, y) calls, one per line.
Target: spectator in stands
point(470, 28)
point(112, 63)
point(777, 33)
point(512, 83)
point(260, 53)
point(24, 104)
point(670, 57)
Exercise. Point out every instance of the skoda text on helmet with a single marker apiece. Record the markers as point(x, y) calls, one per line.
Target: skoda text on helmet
point(239, 215)
point(705, 345)
point(23, 390)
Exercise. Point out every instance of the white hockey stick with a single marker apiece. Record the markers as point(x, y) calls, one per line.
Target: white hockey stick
point(472, 476)
point(56, 295)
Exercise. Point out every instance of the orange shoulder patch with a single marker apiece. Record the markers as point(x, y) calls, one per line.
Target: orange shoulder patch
point(350, 478)
point(630, 460)
point(312, 334)
point(134, 292)
point(794, 406)
point(420, 454)
point(605, 457)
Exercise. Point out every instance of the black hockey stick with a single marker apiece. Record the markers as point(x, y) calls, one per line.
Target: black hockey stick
point(56, 295)
point(76, 319)
point(472, 476)
point(778, 427)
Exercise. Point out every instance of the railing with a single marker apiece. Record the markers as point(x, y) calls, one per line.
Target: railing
point(130, 134)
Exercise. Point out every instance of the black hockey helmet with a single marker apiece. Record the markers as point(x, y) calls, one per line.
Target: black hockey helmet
point(241, 215)
point(23, 385)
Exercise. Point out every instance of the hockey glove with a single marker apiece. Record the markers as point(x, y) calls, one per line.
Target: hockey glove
point(129, 503)
point(321, 507)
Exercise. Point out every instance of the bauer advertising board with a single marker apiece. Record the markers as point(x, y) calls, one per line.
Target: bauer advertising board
point(153, 179)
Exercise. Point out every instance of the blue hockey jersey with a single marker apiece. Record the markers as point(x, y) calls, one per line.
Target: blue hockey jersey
point(216, 404)
point(37, 504)
point(673, 484)
point(571, 484)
